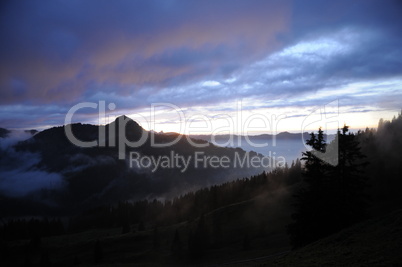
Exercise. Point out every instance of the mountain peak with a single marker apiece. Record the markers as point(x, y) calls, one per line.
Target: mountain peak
point(130, 124)
point(123, 117)
point(127, 119)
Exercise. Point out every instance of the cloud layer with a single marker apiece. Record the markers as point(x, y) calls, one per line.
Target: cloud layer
point(55, 54)
point(19, 175)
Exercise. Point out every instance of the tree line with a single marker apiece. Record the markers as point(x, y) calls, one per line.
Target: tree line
point(189, 206)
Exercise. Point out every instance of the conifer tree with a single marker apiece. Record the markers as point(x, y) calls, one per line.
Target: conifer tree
point(332, 197)
point(176, 245)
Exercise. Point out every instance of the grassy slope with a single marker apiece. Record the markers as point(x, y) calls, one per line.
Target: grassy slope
point(376, 242)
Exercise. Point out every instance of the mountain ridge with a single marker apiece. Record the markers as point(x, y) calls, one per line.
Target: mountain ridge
point(94, 175)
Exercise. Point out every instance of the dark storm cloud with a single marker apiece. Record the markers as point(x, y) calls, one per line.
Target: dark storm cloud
point(318, 16)
point(56, 53)
point(55, 50)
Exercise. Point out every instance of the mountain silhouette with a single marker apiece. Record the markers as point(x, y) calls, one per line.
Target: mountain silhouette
point(96, 174)
point(4, 132)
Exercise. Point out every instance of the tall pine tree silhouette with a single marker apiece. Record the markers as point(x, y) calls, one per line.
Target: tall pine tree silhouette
point(331, 197)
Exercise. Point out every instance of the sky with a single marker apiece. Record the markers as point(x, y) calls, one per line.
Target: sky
point(201, 66)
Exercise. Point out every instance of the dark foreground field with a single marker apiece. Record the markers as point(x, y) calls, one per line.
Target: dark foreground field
point(155, 246)
point(376, 242)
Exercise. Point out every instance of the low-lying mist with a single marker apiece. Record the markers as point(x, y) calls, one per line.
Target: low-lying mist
point(19, 174)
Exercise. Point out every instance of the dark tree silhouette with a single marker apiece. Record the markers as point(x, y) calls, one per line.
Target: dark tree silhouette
point(44, 260)
point(177, 245)
point(332, 197)
point(155, 241)
point(125, 228)
point(348, 183)
point(198, 241)
point(141, 226)
point(383, 150)
point(246, 242)
point(98, 252)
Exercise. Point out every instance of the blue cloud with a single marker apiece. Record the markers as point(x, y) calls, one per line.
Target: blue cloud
point(133, 53)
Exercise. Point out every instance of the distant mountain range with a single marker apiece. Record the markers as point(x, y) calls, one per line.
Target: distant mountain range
point(262, 137)
point(283, 135)
point(288, 146)
point(96, 175)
